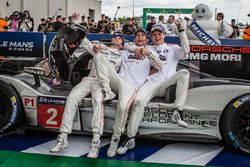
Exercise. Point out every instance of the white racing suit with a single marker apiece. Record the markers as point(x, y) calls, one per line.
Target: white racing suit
point(133, 73)
point(158, 82)
point(89, 85)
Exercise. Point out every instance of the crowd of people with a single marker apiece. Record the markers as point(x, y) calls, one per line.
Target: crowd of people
point(22, 21)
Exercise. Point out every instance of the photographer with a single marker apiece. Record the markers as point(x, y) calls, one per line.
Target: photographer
point(42, 26)
point(129, 28)
point(14, 21)
point(26, 22)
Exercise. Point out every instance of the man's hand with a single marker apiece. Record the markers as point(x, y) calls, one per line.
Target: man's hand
point(141, 53)
point(97, 47)
point(144, 51)
point(75, 16)
point(179, 24)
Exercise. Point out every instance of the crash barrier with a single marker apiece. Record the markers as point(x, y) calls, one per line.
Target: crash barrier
point(21, 44)
point(36, 44)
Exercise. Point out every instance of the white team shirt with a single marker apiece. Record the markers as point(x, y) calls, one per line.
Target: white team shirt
point(169, 56)
point(113, 55)
point(133, 70)
point(171, 28)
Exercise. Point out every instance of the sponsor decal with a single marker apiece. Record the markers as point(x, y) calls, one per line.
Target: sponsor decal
point(50, 111)
point(164, 115)
point(14, 109)
point(242, 100)
point(51, 100)
point(235, 143)
point(201, 34)
point(217, 53)
point(29, 101)
point(21, 46)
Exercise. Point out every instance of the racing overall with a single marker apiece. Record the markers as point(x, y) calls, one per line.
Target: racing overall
point(89, 85)
point(133, 73)
point(158, 82)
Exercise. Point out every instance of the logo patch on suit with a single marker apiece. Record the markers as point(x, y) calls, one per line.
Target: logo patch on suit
point(163, 57)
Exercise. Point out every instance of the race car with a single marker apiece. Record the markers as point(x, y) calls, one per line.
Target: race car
point(215, 110)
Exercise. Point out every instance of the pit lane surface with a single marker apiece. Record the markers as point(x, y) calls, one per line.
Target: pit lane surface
point(147, 150)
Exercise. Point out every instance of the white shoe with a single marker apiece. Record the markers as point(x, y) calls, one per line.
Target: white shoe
point(128, 144)
point(113, 147)
point(177, 117)
point(62, 143)
point(108, 95)
point(94, 149)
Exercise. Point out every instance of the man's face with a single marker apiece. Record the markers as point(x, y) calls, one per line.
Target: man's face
point(218, 18)
point(130, 22)
point(117, 41)
point(157, 37)
point(140, 39)
point(170, 20)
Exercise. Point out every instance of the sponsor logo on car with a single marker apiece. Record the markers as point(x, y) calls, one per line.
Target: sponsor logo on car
point(242, 100)
point(50, 111)
point(14, 109)
point(164, 115)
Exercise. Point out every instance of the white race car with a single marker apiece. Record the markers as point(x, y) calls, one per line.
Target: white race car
point(215, 109)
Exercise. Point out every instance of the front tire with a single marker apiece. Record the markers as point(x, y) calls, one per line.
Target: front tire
point(235, 124)
point(10, 108)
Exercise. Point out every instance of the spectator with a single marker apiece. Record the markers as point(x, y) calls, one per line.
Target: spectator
point(129, 28)
point(246, 34)
point(83, 22)
point(64, 21)
point(135, 22)
point(29, 19)
point(163, 24)
point(42, 26)
point(100, 23)
point(236, 32)
point(171, 25)
point(14, 21)
point(150, 24)
point(58, 23)
point(70, 20)
point(161, 19)
point(50, 24)
point(105, 27)
point(3, 25)
point(92, 26)
point(220, 16)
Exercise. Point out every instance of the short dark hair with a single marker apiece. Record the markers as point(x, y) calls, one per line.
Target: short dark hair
point(221, 15)
point(161, 17)
point(171, 16)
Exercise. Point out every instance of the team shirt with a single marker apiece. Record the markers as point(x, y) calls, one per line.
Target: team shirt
point(169, 56)
point(113, 55)
point(133, 70)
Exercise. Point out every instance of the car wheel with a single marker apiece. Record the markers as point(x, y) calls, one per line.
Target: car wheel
point(235, 124)
point(10, 108)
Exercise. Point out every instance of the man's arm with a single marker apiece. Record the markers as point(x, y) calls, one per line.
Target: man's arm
point(142, 52)
point(183, 39)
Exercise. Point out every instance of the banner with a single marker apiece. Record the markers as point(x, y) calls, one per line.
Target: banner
point(21, 44)
point(221, 61)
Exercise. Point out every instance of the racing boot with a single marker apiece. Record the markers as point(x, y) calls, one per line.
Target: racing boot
point(108, 95)
point(128, 144)
point(94, 149)
point(113, 146)
point(177, 117)
point(62, 143)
